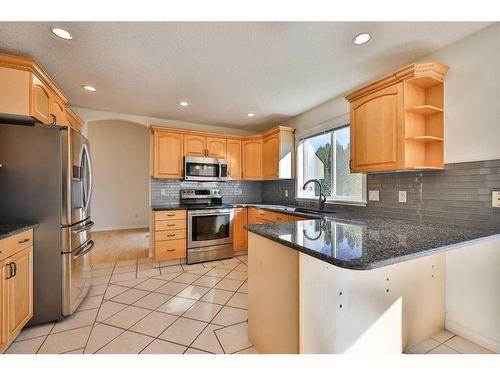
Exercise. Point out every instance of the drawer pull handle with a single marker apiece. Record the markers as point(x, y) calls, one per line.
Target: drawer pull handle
point(170, 215)
point(170, 225)
point(23, 241)
point(171, 249)
point(170, 235)
point(261, 214)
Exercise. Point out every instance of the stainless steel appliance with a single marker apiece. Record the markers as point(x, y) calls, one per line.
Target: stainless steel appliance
point(210, 225)
point(46, 178)
point(204, 169)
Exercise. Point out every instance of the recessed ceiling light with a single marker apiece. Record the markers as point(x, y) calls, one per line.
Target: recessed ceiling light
point(89, 88)
point(183, 103)
point(250, 114)
point(61, 33)
point(361, 38)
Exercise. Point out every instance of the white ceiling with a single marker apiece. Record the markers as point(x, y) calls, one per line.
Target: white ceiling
point(275, 69)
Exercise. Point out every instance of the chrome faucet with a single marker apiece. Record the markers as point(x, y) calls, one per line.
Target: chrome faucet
point(322, 197)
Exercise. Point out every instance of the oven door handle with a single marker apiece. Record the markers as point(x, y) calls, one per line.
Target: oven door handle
point(84, 249)
point(209, 213)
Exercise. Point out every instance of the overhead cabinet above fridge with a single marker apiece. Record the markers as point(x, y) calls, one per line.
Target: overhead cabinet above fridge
point(397, 122)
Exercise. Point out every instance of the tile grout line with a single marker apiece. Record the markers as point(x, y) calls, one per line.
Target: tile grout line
point(150, 311)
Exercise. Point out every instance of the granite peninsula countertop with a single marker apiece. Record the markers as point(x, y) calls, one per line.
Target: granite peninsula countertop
point(7, 230)
point(368, 242)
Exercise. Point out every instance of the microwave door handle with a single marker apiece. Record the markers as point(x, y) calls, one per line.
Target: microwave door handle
point(220, 170)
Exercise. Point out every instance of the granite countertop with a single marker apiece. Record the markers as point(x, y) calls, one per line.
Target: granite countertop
point(166, 207)
point(368, 242)
point(10, 229)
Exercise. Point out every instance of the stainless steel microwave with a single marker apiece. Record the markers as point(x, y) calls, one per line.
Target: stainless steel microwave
point(204, 169)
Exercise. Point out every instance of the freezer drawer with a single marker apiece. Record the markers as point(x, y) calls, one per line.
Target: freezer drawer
point(76, 277)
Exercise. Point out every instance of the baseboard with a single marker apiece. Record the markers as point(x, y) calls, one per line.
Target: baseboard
point(475, 337)
point(106, 229)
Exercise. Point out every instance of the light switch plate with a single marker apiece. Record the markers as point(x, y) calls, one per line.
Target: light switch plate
point(163, 192)
point(286, 193)
point(495, 199)
point(402, 196)
point(374, 195)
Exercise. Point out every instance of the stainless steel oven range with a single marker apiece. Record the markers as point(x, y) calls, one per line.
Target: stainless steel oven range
point(210, 232)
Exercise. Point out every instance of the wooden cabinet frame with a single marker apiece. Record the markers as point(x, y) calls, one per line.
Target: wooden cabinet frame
point(397, 122)
point(248, 156)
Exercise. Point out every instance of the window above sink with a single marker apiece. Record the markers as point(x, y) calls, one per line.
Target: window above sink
point(325, 157)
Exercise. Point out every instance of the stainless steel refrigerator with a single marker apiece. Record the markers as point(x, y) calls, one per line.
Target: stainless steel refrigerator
point(46, 177)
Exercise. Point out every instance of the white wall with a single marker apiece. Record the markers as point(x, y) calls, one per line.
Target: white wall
point(473, 293)
point(89, 115)
point(120, 159)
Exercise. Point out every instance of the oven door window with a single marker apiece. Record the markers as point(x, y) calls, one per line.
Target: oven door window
point(209, 228)
point(202, 170)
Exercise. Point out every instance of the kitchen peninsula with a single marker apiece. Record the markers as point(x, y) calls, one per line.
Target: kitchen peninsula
point(349, 284)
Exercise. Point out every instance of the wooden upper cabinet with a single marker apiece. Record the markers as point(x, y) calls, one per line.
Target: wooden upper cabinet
point(26, 90)
point(73, 120)
point(20, 291)
point(216, 147)
point(252, 158)
point(270, 151)
point(194, 145)
point(167, 154)
point(234, 158)
point(397, 122)
point(377, 130)
point(57, 112)
point(40, 101)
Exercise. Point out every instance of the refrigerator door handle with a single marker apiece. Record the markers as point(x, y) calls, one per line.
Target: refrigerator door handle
point(84, 249)
point(91, 182)
point(83, 228)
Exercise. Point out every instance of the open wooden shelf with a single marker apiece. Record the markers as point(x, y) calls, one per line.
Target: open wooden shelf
point(425, 109)
point(425, 138)
point(425, 82)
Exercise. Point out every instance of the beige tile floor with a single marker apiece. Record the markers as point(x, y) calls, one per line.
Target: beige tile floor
point(192, 309)
point(134, 308)
point(447, 343)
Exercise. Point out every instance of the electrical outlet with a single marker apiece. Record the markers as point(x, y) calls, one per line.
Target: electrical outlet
point(286, 193)
point(163, 192)
point(240, 192)
point(374, 195)
point(402, 196)
point(495, 199)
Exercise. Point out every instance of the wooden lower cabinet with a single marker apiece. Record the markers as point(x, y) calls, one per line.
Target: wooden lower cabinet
point(240, 237)
point(16, 289)
point(169, 235)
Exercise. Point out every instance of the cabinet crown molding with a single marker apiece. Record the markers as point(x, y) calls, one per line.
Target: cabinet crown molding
point(267, 133)
point(432, 69)
point(30, 65)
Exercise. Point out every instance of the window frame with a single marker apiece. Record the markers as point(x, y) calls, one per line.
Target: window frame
point(332, 199)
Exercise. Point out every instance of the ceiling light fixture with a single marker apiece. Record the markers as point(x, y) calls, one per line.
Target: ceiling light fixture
point(361, 38)
point(183, 103)
point(89, 88)
point(251, 114)
point(61, 33)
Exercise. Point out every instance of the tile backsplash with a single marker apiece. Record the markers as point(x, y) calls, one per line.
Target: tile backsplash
point(460, 194)
point(232, 191)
